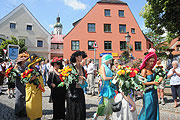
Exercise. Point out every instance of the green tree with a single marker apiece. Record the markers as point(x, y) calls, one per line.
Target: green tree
point(13, 41)
point(161, 16)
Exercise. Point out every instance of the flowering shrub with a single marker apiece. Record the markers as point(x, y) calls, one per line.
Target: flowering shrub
point(28, 74)
point(129, 79)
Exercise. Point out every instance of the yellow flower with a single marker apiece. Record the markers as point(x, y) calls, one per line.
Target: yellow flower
point(59, 70)
point(127, 71)
point(63, 78)
point(67, 74)
point(135, 71)
point(119, 66)
point(69, 69)
point(122, 72)
point(119, 72)
point(29, 75)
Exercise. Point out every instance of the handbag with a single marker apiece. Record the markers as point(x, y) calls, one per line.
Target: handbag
point(116, 106)
point(101, 106)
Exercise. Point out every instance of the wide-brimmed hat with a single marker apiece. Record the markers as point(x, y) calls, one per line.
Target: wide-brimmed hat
point(148, 56)
point(56, 60)
point(33, 59)
point(76, 54)
point(22, 57)
point(106, 58)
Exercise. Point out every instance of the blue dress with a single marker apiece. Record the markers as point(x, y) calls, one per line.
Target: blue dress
point(107, 87)
point(150, 110)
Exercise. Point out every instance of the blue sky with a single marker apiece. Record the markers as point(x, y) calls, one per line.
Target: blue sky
point(69, 11)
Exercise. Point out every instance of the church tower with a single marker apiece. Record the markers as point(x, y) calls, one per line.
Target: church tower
point(58, 27)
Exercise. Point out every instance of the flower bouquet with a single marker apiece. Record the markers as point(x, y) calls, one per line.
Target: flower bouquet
point(28, 74)
point(67, 75)
point(159, 72)
point(12, 74)
point(129, 80)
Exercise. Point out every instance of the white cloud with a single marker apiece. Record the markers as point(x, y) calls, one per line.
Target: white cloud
point(51, 25)
point(75, 4)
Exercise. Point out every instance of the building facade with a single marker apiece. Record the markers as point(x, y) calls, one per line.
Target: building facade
point(107, 23)
point(57, 40)
point(21, 24)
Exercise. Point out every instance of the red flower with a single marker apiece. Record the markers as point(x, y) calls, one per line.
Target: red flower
point(127, 66)
point(136, 69)
point(132, 74)
point(60, 76)
point(31, 70)
point(42, 89)
point(132, 69)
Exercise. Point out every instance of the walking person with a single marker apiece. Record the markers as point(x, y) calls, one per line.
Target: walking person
point(150, 110)
point(2, 74)
point(128, 108)
point(174, 75)
point(76, 107)
point(160, 87)
point(20, 103)
point(58, 93)
point(91, 72)
point(33, 92)
point(107, 93)
point(44, 71)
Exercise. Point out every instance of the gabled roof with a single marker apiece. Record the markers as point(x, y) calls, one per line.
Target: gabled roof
point(22, 6)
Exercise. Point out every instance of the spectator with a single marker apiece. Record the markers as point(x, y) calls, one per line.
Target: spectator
point(160, 87)
point(174, 75)
point(91, 72)
point(2, 74)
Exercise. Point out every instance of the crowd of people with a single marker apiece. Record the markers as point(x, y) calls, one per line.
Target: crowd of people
point(28, 95)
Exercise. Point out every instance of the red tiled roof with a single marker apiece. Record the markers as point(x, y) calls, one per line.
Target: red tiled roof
point(57, 39)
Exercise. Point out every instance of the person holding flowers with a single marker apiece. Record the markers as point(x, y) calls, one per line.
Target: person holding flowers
point(58, 93)
point(76, 107)
point(34, 88)
point(150, 110)
point(20, 103)
point(108, 92)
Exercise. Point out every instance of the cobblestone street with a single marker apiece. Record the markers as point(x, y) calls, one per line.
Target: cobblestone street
point(167, 112)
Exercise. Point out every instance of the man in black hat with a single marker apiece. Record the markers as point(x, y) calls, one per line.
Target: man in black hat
point(2, 74)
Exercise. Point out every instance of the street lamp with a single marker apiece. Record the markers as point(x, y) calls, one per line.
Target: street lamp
point(128, 41)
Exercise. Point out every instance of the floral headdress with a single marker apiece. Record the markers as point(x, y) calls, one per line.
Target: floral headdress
point(149, 55)
point(56, 60)
point(33, 59)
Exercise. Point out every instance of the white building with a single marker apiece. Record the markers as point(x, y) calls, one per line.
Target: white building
point(24, 26)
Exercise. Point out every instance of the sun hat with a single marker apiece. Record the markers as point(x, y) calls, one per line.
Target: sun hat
point(22, 57)
point(56, 60)
point(148, 56)
point(76, 54)
point(106, 58)
point(33, 59)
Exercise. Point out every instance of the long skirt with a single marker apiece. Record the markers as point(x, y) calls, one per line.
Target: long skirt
point(58, 98)
point(150, 110)
point(124, 113)
point(20, 103)
point(76, 108)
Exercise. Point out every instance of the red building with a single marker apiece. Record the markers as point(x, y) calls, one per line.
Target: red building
point(107, 23)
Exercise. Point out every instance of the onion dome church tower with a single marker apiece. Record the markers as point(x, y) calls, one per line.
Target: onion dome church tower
point(58, 27)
